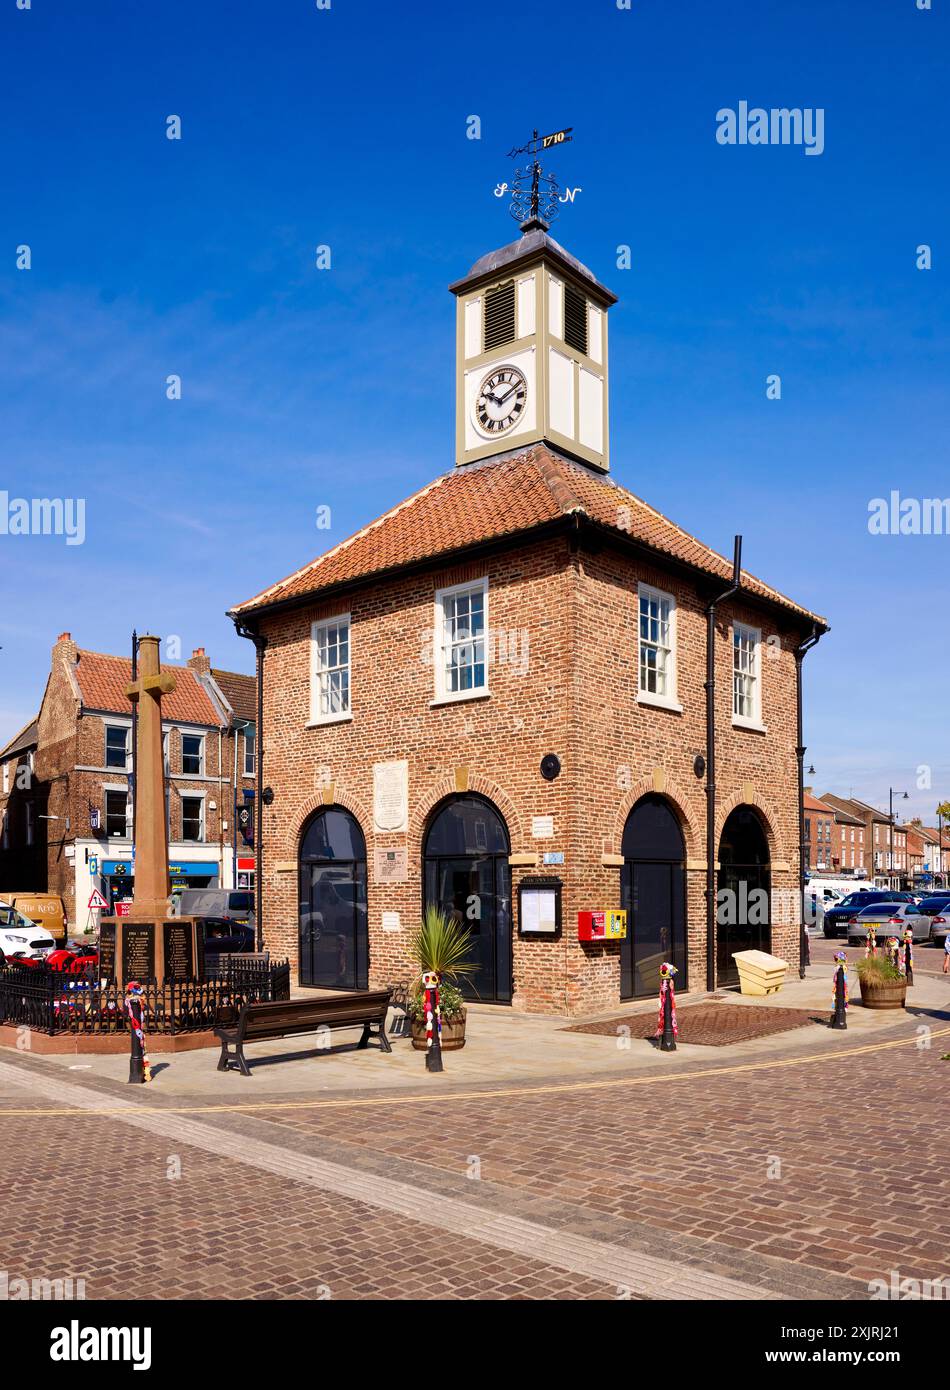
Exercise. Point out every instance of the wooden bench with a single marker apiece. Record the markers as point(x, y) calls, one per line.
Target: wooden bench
point(288, 1017)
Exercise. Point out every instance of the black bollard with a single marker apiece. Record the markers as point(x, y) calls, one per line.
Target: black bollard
point(433, 1030)
point(909, 956)
point(668, 1038)
point(839, 1019)
point(139, 1069)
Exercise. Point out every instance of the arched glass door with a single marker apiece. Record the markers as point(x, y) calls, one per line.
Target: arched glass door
point(468, 876)
point(743, 913)
point(653, 891)
point(334, 939)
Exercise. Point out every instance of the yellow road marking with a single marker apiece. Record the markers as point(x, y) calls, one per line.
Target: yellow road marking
point(559, 1088)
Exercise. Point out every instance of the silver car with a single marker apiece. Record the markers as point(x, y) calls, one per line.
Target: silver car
point(888, 919)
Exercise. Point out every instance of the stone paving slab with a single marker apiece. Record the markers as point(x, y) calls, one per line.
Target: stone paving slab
point(506, 1047)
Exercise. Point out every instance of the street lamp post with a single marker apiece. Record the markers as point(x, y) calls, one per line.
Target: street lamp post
point(890, 828)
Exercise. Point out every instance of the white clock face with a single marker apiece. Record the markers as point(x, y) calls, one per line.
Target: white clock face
point(501, 400)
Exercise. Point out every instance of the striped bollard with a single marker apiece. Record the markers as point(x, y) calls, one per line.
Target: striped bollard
point(430, 989)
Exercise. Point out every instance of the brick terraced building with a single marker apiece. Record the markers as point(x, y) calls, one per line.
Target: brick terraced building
point(67, 827)
point(493, 698)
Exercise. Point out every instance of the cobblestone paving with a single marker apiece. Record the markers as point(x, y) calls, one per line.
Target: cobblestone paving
point(108, 1211)
point(856, 1146)
point(709, 1025)
point(806, 1178)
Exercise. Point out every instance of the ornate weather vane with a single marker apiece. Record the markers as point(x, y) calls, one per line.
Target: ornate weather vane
point(536, 205)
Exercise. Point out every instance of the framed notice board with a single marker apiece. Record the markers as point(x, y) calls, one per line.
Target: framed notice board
point(539, 906)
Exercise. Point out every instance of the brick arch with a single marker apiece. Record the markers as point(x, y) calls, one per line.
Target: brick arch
point(767, 815)
point(688, 814)
point(482, 786)
point(341, 798)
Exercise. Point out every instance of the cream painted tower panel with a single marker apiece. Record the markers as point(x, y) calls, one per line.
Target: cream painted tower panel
point(546, 320)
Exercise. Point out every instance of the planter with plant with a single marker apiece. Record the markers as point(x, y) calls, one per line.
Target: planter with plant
point(442, 944)
point(882, 984)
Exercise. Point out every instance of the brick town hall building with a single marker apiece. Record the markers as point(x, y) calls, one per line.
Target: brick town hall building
point(494, 698)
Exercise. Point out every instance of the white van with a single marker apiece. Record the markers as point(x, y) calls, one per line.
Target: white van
point(234, 903)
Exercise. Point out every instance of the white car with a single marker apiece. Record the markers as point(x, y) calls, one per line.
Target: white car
point(21, 937)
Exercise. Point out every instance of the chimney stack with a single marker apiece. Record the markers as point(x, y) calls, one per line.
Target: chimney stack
point(66, 648)
point(199, 662)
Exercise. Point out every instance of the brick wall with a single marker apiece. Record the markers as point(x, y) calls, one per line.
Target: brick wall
point(578, 700)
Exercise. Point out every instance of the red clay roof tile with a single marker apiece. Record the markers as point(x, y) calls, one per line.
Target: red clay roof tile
point(488, 501)
point(103, 680)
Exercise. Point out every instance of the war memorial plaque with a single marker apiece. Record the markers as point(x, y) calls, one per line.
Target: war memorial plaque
point(179, 951)
point(138, 951)
point(107, 932)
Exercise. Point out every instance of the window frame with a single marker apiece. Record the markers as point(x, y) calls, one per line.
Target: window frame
point(116, 791)
point(202, 819)
point(340, 716)
point(202, 753)
point(669, 700)
point(753, 720)
point(126, 729)
point(444, 696)
point(252, 770)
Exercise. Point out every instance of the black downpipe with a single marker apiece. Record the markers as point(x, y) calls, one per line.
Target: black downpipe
point(260, 643)
point(135, 740)
point(800, 650)
point(711, 764)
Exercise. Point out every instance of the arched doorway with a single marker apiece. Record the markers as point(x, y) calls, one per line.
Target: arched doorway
point(334, 940)
point(743, 912)
point(467, 874)
point(653, 891)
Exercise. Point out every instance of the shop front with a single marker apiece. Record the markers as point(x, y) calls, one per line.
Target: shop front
point(118, 878)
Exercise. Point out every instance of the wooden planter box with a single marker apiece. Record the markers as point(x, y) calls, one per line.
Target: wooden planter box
point(887, 995)
point(453, 1034)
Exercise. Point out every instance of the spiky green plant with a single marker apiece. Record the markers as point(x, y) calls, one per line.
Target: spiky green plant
point(442, 943)
point(878, 970)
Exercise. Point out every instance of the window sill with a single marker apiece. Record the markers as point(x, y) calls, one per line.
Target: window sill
point(460, 697)
point(753, 725)
point(645, 697)
point(320, 723)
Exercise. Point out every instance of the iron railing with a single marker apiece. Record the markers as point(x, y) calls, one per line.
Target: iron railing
point(52, 1002)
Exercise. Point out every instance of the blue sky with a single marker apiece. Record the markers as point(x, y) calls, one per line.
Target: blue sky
point(305, 388)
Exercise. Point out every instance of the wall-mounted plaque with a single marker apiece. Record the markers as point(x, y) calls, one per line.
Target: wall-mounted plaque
point(391, 865)
point(391, 795)
point(107, 950)
point(138, 951)
point(179, 950)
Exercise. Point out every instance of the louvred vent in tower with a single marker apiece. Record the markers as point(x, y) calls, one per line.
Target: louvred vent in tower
point(500, 315)
point(575, 320)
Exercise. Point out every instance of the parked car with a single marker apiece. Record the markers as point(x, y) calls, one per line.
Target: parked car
point(838, 917)
point(22, 939)
point(888, 919)
point(236, 904)
point(814, 912)
point(223, 936)
point(937, 908)
point(46, 909)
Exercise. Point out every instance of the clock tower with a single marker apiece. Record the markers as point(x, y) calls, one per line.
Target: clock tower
point(531, 353)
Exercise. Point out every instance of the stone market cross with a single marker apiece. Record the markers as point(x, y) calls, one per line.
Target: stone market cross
point(150, 891)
